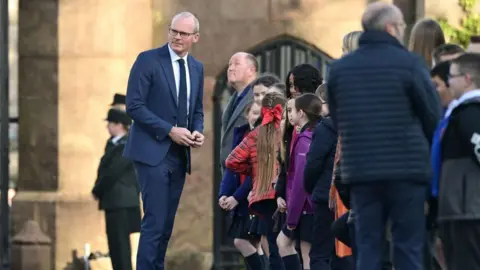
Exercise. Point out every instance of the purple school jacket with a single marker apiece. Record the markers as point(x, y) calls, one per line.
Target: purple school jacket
point(298, 201)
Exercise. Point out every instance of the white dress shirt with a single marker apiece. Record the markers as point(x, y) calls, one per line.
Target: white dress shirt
point(457, 102)
point(116, 139)
point(176, 73)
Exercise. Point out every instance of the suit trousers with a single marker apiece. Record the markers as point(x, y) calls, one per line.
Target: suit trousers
point(118, 236)
point(161, 188)
point(461, 244)
point(401, 202)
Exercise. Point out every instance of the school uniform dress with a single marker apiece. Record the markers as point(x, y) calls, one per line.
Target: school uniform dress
point(239, 186)
point(459, 203)
point(300, 207)
point(118, 192)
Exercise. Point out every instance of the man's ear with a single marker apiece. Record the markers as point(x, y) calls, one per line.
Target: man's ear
point(196, 38)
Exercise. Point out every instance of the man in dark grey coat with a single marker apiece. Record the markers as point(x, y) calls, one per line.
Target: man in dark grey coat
point(386, 110)
point(242, 71)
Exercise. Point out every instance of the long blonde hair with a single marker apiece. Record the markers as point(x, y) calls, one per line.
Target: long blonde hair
point(268, 143)
point(426, 35)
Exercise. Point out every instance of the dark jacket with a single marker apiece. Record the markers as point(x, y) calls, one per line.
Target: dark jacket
point(235, 184)
point(460, 173)
point(343, 189)
point(233, 116)
point(280, 187)
point(385, 108)
point(116, 185)
point(320, 159)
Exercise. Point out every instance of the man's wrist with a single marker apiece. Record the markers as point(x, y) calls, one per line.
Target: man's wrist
point(171, 130)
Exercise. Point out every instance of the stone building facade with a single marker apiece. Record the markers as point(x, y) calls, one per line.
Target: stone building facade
point(74, 55)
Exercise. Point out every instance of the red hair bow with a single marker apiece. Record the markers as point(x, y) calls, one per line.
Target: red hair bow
point(272, 115)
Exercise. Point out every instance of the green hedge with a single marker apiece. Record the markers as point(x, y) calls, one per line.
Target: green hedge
point(469, 24)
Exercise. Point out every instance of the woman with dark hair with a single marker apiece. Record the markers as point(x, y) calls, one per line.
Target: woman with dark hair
point(302, 79)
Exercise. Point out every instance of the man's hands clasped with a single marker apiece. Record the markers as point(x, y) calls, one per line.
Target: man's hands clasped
point(183, 136)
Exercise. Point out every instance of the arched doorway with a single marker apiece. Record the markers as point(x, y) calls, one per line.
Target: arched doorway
point(277, 56)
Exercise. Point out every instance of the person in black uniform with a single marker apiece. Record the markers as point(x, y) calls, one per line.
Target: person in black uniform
point(117, 103)
point(118, 192)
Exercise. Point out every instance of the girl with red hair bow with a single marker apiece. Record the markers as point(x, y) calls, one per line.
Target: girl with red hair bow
point(257, 155)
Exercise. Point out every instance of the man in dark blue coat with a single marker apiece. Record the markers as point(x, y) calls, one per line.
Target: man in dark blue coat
point(164, 98)
point(386, 110)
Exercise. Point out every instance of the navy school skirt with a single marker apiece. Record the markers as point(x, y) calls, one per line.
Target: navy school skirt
point(241, 228)
point(303, 231)
point(268, 220)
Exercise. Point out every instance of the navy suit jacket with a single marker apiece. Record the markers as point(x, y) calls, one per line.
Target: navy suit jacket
point(152, 104)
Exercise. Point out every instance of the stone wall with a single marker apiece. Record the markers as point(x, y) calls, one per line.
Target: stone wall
point(73, 56)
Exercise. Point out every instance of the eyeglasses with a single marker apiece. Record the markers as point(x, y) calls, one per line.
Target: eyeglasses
point(174, 33)
point(451, 76)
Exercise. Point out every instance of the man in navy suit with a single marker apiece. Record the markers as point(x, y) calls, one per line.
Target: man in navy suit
point(164, 98)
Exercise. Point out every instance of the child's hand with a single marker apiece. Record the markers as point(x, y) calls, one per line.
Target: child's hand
point(281, 204)
point(249, 197)
point(230, 203)
point(221, 202)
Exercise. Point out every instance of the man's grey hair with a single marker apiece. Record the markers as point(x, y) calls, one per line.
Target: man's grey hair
point(187, 14)
point(378, 15)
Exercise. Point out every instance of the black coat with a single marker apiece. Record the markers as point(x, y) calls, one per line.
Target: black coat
point(386, 109)
point(460, 172)
point(116, 185)
point(320, 159)
point(281, 186)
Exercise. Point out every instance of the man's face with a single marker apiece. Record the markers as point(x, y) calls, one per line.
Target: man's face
point(114, 128)
point(259, 92)
point(181, 35)
point(457, 81)
point(119, 106)
point(443, 91)
point(239, 69)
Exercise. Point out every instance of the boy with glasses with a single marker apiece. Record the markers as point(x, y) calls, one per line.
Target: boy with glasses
point(459, 206)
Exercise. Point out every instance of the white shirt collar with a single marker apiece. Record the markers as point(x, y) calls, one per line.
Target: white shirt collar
point(117, 138)
point(174, 56)
point(457, 102)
